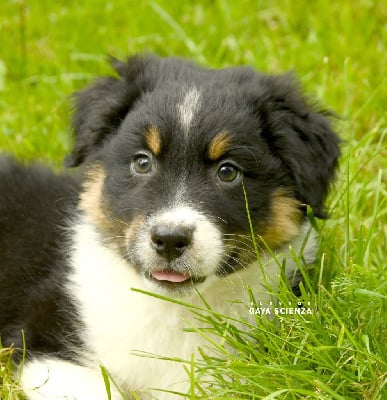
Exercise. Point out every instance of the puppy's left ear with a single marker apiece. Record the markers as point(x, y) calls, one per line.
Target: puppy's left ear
point(100, 109)
point(302, 137)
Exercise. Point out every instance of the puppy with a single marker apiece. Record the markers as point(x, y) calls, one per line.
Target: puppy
point(173, 159)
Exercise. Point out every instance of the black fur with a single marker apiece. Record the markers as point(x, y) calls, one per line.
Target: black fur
point(301, 137)
point(35, 207)
point(279, 141)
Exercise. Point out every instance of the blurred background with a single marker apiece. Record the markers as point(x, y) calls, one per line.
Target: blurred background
point(48, 49)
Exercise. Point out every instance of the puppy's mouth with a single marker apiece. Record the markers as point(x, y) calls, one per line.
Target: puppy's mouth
point(171, 279)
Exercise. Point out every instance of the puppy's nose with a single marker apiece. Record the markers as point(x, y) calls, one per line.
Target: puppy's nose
point(171, 241)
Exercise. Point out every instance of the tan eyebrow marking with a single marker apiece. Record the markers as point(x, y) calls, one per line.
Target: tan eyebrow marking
point(219, 145)
point(153, 140)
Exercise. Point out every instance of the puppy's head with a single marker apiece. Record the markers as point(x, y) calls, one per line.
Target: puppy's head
point(171, 149)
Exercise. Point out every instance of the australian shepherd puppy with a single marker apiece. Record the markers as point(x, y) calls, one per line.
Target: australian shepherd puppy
point(169, 154)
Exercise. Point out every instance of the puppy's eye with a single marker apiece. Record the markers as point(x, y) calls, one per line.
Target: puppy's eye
point(142, 164)
point(228, 173)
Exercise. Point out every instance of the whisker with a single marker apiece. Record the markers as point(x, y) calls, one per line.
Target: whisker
point(237, 260)
point(133, 208)
point(229, 277)
point(228, 241)
point(117, 220)
point(245, 237)
point(222, 219)
point(108, 239)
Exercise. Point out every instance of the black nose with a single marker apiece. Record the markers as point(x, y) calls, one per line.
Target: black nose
point(171, 241)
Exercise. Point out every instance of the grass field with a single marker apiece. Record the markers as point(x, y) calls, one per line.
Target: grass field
point(338, 50)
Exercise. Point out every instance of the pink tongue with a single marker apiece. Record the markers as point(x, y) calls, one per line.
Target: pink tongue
point(170, 276)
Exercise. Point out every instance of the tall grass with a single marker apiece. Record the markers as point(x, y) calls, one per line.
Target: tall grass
point(50, 49)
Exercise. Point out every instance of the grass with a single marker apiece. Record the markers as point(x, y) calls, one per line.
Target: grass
point(50, 49)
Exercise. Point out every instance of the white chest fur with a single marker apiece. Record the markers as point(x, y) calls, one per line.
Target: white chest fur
point(119, 321)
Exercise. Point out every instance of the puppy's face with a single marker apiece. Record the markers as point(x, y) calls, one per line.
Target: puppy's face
point(173, 149)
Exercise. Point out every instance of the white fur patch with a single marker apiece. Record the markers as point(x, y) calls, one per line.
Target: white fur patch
point(119, 321)
point(188, 108)
point(50, 378)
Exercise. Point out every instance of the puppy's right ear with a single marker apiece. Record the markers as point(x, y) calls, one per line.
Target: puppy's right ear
point(100, 109)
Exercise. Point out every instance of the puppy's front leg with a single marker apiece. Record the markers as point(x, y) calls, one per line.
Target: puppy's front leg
point(50, 378)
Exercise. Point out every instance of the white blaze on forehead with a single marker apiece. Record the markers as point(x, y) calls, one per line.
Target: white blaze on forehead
point(188, 108)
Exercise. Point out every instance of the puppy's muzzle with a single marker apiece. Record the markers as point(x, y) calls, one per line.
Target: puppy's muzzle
point(171, 241)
